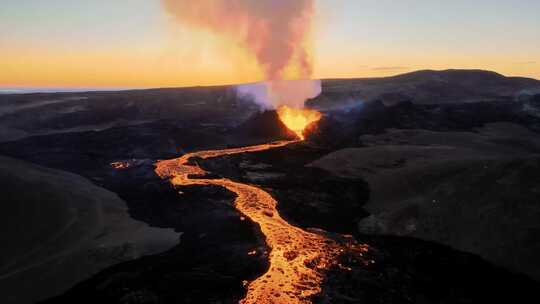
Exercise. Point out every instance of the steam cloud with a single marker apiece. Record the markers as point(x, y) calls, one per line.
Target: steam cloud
point(273, 94)
point(275, 32)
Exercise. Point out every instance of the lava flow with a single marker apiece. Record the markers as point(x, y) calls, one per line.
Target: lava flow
point(297, 259)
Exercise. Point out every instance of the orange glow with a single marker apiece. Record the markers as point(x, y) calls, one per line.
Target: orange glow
point(126, 164)
point(211, 60)
point(298, 119)
point(138, 67)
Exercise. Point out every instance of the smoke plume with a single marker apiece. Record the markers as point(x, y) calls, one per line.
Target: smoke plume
point(273, 94)
point(275, 32)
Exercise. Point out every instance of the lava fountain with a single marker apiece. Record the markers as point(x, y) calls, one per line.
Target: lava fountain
point(298, 119)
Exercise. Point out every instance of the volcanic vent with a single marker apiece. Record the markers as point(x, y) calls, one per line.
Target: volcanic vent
point(284, 123)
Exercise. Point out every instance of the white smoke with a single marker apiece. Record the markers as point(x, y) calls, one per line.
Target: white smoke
point(270, 95)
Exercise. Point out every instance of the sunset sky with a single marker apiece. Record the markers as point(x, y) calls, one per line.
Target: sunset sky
point(134, 43)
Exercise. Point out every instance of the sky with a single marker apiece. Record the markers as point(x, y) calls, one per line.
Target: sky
point(134, 43)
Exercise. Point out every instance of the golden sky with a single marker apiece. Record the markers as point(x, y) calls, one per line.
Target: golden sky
point(134, 43)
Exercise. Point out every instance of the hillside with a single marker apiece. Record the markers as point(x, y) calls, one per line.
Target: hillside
point(475, 191)
point(62, 229)
point(427, 87)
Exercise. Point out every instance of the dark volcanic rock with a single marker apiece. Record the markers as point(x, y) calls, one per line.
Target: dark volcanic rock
point(87, 152)
point(189, 273)
point(50, 113)
point(406, 270)
point(341, 129)
point(265, 126)
point(329, 132)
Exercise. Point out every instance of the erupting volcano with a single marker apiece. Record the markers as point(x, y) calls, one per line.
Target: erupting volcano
point(269, 152)
point(277, 39)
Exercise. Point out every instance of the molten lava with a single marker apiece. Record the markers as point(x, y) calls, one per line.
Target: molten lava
point(298, 119)
point(298, 259)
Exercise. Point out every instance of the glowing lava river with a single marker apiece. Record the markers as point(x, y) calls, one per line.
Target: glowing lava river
point(297, 258)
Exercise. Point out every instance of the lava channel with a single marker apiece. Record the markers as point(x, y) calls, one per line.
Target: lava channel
point(297, 258)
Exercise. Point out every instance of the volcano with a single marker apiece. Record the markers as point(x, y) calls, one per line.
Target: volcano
point(397, 194)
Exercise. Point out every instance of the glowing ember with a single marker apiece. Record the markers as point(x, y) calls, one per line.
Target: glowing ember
point(126, 164)
point(120, 165)
point(298, 119)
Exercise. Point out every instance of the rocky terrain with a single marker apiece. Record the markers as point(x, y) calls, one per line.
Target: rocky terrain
point(435, 171)
point(476, 191)
point(24, 115)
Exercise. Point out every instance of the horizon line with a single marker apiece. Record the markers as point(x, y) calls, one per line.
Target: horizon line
point(15, 89)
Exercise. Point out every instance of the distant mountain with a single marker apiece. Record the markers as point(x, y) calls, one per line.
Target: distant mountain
point(24, 115)
point(427, 87)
